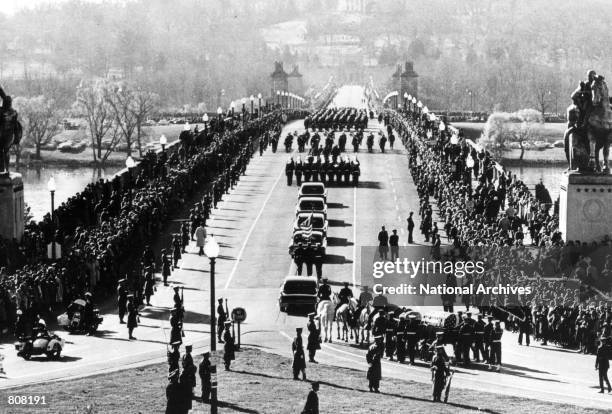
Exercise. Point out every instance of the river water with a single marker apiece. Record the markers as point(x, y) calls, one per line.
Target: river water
point(69, 181)
point(72, 180)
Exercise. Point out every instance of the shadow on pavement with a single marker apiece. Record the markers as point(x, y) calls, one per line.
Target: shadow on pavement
point(337, 241)
point(336, 205)
point(377, 185)
point(336, 259)
point(338, 223)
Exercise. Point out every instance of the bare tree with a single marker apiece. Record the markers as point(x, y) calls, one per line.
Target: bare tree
point(41, 120)
point(503, 128)
point(143, 106)
point(121, 100)
point(91, 102)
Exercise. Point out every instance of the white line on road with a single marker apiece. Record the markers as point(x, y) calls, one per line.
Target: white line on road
point(246, 239)
point(354, 234)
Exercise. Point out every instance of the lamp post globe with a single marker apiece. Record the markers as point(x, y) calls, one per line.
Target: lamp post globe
point(211, 250)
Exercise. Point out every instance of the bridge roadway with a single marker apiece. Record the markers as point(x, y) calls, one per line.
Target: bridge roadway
point(253, 226)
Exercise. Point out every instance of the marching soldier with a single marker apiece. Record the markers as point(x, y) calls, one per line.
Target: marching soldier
point(298, 253)
point(174, 357)
point(400, 341)
point(314, 338)
point(356, 172)
point(466, 331)
point(205, 377)
point(373, 358)
point(390, 328)
point(299, 359)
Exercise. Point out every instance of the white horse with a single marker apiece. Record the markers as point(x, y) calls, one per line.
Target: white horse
point(363, 324)
point(344, 316)
point(325, 312)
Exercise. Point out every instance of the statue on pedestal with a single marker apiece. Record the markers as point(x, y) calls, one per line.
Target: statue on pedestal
point(10, 131)
point(589, 125)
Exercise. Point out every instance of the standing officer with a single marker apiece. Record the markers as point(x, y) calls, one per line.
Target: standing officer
point(299, 359)
point(410, 227)
point(525, 326)
point(176, 327)
point(298, 172)
point(465, 338)
point(174, 395)
point(132, 311)
point(188, 376)
point(602, 364)
point(312, 401)
point(122, 294)
point(228, 347)
point(488, 338)
point(394, 245)
point(204, 371)
point(439, 372)
point(221, 318)
point(390, 328)
point(412, 336)
point(289, 168)
point(314, 337)
point(400, 341)
point(373, 358)
point(383, 243)
point(478, 349)
point(496, 346)
point(174, 357)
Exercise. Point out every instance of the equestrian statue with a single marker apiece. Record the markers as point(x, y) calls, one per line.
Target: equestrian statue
point(10, 131)
point(589, 126)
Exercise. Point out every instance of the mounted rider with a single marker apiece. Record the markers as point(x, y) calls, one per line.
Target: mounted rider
point(324, 292)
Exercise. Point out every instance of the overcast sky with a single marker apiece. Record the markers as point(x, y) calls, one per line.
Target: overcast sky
point(9, 7)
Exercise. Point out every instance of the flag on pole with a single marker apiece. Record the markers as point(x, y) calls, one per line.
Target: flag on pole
point(306, 226)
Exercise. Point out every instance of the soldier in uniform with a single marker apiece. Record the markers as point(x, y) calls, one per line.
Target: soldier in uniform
point(204, 371)
point(176, 327)
point(298, 172)
point(314, 337)
point(380, 324)
point(439, 372)
point(496, 346)
point(221, 318)
point(174, 357)
point(356, 172)
point(298, 253)
point(478, 348)
point(188, 376)
point(410, 227)
point(602, 364)
point(324, 292)
point(132, 311)
point(390, 327)
point(400, 341)
point(299, 359)
point(312, 401)
point(318, 263)
point(228, 346)
point(488, 338)
point(525, 328)
point(412, 336)
point(466, 333)
point(122, 294)
point(373, 358)
point(174, 395)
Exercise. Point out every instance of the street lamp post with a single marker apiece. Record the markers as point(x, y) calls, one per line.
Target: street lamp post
point(163, 141)
point(205, 119)
point(278, 97)
point(211, 250)
point(51, 187)
point(252, 98)
point(259, 104)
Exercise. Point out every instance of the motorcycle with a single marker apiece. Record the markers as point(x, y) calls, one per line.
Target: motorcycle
point(43, 343)
point(73, 320)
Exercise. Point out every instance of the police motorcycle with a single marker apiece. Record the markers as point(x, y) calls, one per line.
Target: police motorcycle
point(370, 142)
point(74, 319)
point(39, 343)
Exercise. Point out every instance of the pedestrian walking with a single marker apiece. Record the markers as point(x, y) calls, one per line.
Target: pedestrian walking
point(200, 234)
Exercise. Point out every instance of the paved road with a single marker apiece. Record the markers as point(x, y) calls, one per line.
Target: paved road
point(253, 225)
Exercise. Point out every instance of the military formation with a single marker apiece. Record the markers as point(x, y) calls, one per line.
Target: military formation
point(337, 118)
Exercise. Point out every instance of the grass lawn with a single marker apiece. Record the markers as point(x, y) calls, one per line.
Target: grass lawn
point(262, 383)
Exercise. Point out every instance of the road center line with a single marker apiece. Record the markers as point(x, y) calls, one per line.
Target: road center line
point(354, 233)
point(246, 239)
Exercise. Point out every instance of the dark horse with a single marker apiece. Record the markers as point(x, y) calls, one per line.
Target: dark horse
point(10, 131)
point(599, 125)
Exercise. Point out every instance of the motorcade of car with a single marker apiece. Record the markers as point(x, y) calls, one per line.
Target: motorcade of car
point(311, 205)
point(315, 239)
point(312, 189)
point(298, 292)
point(317, 220)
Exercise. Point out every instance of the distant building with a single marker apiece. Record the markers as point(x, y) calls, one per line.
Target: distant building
point(295, 82)
point(278, 80)
point(406, 80)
